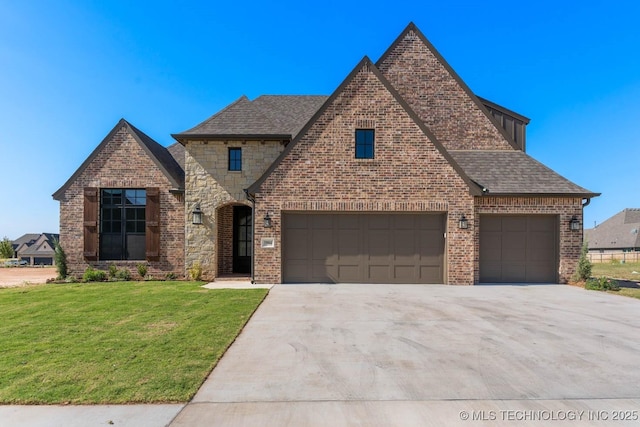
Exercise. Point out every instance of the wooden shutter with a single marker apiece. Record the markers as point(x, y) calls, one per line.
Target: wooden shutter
point(90, 224)
point(152, 220)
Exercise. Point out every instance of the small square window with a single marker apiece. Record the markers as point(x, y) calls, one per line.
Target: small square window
point(365, 139)
point(235, 159)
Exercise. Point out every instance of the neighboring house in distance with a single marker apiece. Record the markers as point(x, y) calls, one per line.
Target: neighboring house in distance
point(36, 249)
point(402, 175)
point(620, 233)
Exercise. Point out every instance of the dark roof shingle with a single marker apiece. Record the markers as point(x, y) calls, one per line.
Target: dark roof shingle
point(160, 155)
point(514, 172)
point(268, 115)
point(621, 231)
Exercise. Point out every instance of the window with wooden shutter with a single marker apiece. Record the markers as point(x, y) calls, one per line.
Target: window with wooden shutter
point(90, 224)
point(153, 224)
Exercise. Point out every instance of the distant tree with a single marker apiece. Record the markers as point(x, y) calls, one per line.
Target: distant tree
point(61, 260)
point(6, 248)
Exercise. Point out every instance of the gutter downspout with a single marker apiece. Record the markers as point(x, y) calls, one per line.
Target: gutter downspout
point(586, 203)
point(253, 232)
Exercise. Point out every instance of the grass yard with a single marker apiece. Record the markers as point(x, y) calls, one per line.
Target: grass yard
point(117, 342)
point(628, 292)
point(617, 270)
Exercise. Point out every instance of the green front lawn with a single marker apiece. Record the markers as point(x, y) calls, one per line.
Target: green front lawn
point(117, 342)
point(617, 270)
point(629, 292)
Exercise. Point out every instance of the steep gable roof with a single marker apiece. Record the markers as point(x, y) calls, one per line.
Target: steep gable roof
point(366, 63)
point(156, 152)
point(27, 239)
point(266, 117)
point(421, 101)
point(511, 172)
point(177, 152)
point(620, 231)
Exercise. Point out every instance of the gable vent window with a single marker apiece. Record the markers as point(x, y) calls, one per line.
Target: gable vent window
point(235, 159)
point(365, 141)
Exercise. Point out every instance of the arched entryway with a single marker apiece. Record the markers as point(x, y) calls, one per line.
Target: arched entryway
point(234, 239)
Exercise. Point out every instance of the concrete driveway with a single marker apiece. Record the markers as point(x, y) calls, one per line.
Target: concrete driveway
point(384, 355)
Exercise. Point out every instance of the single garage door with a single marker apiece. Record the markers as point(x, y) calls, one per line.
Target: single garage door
point(363, 248)
point(518, 248)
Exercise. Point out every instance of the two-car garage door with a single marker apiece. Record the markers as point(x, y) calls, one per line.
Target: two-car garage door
point(363, 248)
point(518, 248)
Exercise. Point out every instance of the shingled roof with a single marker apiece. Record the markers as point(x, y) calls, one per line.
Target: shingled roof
point(513, 172)
point(266, 117)
point(621, 231)
point(165, 161)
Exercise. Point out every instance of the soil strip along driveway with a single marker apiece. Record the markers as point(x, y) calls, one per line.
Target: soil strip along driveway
point(405, 355)
point(17, 276)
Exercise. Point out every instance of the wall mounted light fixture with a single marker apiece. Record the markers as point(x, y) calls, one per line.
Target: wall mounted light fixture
point(267, 221)
point(463, 223)
point(197, 215)
point(574, 224)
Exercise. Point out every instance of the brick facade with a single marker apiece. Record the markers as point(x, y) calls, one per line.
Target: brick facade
point(225, 240)
point(419, 108)
point(431, 88)
point(408, 174)
point(122, 163)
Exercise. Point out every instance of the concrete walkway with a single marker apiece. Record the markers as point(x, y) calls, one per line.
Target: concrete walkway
point(380, 355)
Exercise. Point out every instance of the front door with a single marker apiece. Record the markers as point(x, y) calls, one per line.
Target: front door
point(242, 236)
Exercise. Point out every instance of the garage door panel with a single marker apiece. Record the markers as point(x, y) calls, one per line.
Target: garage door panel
point(430, 244)
point(405, 273)
point(490, 246)
point(518, 248)
point(377, 274)
point(491, 224)
point(297, 222)
point(514, 224)
point(429, 272)
point(322, 248)
point(538, 247)
point(349, 273)
point(514, 246)
point(542, 223)
point(296, 248)
point(378, 248)
point(377, 222)
point(491, 272)
point(514, 272)
point(404, 243)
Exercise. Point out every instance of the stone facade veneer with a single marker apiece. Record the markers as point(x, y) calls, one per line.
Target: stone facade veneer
point(209, 183)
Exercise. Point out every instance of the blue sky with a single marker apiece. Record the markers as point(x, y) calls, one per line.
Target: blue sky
point(69, 70)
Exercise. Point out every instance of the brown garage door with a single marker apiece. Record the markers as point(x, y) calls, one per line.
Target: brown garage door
point(518, 248)
point(363, 248)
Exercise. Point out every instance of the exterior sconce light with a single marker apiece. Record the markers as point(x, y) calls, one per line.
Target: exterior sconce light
point(197, 215)
point(574, 224)
point(463, 224)
point(267, 221)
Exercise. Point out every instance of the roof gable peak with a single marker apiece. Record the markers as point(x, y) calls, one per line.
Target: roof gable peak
point(366, 65)
point(413, 34)
point(156, 152)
